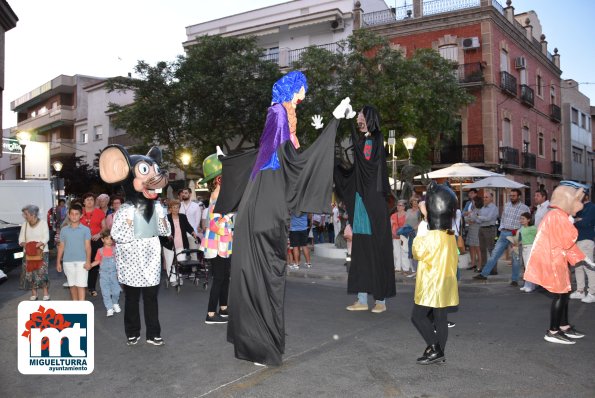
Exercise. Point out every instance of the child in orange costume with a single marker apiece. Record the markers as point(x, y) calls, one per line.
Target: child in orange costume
point(554, 248)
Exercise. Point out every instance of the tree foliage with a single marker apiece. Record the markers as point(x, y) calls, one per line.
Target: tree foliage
point(217, 94)
point(418, 95)
point(80, 177)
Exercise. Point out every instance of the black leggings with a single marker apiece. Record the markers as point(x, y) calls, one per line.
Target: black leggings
point(219, 290)
point(428, 319)
point(94, 272)
point(559, 311)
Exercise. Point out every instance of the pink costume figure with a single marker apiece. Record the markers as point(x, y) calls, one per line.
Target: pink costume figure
point(554, 248)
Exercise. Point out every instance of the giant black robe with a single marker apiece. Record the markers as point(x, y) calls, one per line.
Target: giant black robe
point(302, 184)
point(372, 266)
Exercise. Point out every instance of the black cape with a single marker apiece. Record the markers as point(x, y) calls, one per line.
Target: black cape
point(372, 266)
point(302, 184)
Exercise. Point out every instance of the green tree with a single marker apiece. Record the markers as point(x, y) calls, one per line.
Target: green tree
point(80, 177)
point(217, 94)
point(418, 95)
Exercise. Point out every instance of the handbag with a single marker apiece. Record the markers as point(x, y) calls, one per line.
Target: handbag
point(460, 239)
point(33, 254)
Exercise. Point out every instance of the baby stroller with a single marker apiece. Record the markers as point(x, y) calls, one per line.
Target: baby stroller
point(194, 269)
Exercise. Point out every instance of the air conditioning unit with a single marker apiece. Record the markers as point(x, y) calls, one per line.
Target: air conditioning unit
point(470, 43)
point(520, 63)
point(338, 24)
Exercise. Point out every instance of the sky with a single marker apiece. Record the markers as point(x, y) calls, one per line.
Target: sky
point(108, 38)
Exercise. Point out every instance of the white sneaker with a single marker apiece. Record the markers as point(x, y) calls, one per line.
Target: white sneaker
point(117, 308)
point(589, 298)
point(577, 295)
point(110, 312)
point(66, 285)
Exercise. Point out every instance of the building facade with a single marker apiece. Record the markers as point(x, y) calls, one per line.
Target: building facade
point(577, 142)
point(513, 126)
point(69, 113)
point(285, 30)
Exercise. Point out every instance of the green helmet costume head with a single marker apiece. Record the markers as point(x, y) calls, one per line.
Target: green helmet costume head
point(211, 168)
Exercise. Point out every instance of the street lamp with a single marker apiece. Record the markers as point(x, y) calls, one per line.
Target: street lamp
point(409, 143)
point(57, 165)
point(24, 137)
point(185, 158)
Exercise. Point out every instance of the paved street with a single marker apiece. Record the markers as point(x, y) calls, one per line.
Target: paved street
point(495, 350)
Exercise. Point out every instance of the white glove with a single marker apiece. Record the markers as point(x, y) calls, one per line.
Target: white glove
point(219, 151)
point(317, 122)
point(344, 110)
point(159, 210)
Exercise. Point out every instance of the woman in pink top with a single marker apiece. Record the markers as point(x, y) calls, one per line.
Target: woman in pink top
point(398, 220)
point(116, 203)
point(180, 226)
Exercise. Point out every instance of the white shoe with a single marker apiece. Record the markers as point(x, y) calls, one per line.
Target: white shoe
point(117, 308)
point(589, 298)
point(110, 312)
point(66, 285)
point(577, 295)
point(259, 364)
point(412, 275)
point(46, 298)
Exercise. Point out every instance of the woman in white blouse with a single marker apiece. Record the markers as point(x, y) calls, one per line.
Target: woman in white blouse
point(35, 230)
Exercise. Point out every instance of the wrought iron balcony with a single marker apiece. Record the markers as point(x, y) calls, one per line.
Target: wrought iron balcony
point(509, 156)
point(555, 113)
point(556, 168)
point(527, 95)
point(458, 154)
point(529, 160)
point(470, 74)
point(508, 83)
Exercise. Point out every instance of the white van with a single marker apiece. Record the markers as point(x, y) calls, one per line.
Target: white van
point(16, 194)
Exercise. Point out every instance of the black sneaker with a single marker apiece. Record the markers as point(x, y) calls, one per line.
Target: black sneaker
point(514, 284)
point(155, 341)
point(573, 333)
point(215, 319)
point(133, 340)
point(451, 324)
point(223, 313)
point(480, 277)
point(558, 337)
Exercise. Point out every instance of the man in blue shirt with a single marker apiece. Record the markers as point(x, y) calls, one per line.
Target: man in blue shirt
point(298, 239)
point(509, 224)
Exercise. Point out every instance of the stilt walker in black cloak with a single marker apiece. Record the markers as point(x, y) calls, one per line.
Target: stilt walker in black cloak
point(364, 188)
point(436, 286)
point(265, 185)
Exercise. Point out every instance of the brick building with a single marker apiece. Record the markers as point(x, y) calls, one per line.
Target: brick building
point(503, 59)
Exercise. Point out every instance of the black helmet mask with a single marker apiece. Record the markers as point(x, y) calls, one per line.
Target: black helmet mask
point(441, 204)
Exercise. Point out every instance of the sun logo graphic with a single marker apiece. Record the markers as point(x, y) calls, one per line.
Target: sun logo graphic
point(56, 337)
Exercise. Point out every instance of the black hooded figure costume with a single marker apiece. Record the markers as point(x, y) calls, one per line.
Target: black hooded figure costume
point(364, 187)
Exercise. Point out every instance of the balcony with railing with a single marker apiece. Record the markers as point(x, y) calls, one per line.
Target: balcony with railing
point(557, 168)
point(508, 83)
point(555, 113)
point(470, 74)
point(527, 95)
point(509, 156)
point(458, 154)
point(429, 7)
point(62, 146)
point(529, 161)
point(51, 118)
point(286, 57)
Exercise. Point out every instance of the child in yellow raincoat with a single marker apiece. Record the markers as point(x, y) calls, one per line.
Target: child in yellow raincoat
point(436, 286)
